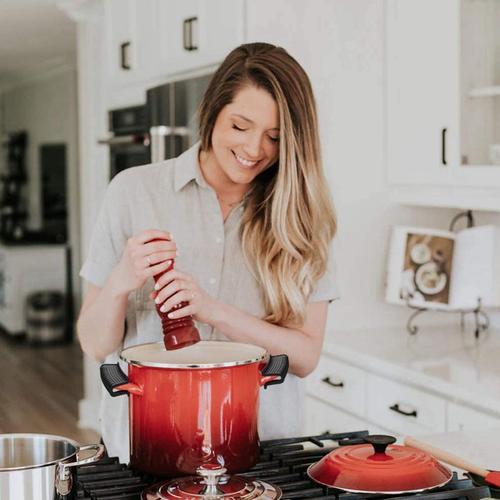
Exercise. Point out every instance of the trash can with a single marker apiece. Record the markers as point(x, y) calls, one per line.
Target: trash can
point(45, 317)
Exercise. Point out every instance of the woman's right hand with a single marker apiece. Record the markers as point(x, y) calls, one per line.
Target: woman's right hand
point(144, 258)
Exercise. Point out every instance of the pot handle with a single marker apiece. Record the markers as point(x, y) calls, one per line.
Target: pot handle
point(64, 478)
point(116, 382)
point(275, 371)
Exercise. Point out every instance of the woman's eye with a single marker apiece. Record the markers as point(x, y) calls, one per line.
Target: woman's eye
point(238, 128)
point(274, 139)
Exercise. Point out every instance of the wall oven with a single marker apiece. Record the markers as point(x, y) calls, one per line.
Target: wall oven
point(129, 140)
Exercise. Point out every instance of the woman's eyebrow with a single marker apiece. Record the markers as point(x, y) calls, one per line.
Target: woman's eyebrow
point(250, 121)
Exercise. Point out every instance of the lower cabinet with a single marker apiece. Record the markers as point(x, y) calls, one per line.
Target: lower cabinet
point(404, 409)
point(463, 418)
point(321, 418)
point(342, 397)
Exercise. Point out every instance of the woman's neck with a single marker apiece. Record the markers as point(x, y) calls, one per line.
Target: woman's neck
point(226, 190)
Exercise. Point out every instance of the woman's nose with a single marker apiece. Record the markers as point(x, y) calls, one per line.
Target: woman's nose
point(253, 147)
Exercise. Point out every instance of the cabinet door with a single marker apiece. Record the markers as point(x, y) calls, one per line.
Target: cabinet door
point(422, 71)
point(321, 418)
point(197, 33)
point(463, 418)
point(121, 41)
point(403, 409)
point(131, 41)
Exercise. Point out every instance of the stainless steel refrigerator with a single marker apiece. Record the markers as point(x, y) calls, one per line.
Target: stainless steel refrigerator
point(172, 116)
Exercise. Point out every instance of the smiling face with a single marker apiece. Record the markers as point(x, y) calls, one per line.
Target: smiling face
point(245, 138)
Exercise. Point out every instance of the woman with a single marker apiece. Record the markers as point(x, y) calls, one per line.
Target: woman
point(247, 216)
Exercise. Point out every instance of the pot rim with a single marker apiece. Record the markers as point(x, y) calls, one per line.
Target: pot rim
point(196, 366)
point(54, 437)
point(348, 490)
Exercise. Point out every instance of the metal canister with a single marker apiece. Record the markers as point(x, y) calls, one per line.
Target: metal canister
point(45, 316)
point(38, 466)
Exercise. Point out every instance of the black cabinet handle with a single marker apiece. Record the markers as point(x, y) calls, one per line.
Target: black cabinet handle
point(124, 55)
point(327, 380)
point(443, 146)
point(187, 33)
point(397, 409)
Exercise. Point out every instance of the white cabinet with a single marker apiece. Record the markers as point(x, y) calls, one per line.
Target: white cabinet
point(197, 33)
point(462, 418)
point(132, 31)
point(345, 397)
point(402, 408)
point(321, 418)
point(443, 100)
point(339, 384)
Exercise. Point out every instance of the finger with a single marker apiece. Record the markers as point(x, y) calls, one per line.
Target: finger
point(182, 296)
point(157, 257)
point(152, 234)
point(175, 300)
point(156, 269)
point(153, 295)
point(171, 289)
point(182, 312)
point(171, 276)
point(155, 247)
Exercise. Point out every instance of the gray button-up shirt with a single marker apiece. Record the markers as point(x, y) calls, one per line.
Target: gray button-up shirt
point(173, 196)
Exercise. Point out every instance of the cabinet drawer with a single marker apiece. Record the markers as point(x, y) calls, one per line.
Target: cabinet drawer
point(321, 418)
point(403, 409)
point(338, 384)
point(460, 418)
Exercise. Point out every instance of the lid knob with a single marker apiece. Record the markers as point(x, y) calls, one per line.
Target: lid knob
point(380, 442)
point(212, 474)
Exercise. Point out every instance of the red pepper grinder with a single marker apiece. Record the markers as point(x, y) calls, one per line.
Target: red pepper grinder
point(178, 332)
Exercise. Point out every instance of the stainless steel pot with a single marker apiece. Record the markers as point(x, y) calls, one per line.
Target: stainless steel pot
point(38, 466)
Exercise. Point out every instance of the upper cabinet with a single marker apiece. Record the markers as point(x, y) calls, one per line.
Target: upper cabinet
point(194, 33)
point(443, 101)
point(151, 40)
point(132, 30)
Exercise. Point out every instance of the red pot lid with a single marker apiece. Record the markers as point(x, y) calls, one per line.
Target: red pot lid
point(379, 467)
point(212, 483)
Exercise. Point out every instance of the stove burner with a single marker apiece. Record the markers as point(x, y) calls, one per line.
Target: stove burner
point(283, 463)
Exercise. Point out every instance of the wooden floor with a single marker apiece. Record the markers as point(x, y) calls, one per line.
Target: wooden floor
point(40, 388)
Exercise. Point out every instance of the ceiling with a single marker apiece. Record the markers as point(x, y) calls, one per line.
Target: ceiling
point(35, 36)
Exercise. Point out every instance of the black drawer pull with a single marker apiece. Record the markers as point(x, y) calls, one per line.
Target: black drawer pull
point(327, 380)
point(397, 409)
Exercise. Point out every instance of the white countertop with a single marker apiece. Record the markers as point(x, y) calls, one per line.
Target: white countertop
point(443, 360)
point(481, 448)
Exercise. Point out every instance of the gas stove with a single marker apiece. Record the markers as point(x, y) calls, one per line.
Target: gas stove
point(283, 462)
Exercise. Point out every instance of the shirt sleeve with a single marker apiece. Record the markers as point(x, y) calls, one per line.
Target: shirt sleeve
point(327, 288)
point(110, 233)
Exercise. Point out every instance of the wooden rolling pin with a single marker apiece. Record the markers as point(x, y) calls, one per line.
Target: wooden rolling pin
point(491, 477)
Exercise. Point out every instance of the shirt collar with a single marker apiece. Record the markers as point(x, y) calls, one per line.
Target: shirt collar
point(187, 168)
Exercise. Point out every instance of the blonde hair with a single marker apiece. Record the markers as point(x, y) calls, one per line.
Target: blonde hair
point(289, 219)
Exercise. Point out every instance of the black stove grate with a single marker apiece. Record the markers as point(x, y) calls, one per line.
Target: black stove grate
point(282, 462)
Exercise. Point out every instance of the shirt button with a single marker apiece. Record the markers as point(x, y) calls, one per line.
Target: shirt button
point(218, 240)
point(212, 281)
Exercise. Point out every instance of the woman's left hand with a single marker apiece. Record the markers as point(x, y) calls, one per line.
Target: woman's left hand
point(175, 287)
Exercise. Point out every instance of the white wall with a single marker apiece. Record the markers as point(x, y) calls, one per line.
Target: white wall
point(340, 43)
point(46, 107)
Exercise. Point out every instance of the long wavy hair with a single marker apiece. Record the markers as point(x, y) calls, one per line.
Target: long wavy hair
point(289, 220)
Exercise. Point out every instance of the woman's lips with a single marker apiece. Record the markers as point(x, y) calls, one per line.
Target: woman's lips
point(244, 162)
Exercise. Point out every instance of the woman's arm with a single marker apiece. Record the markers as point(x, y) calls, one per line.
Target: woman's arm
point(101, 323)
point(302, 343)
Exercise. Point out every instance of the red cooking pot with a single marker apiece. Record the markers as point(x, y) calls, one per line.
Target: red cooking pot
point(379, 467)
point(194, 406)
